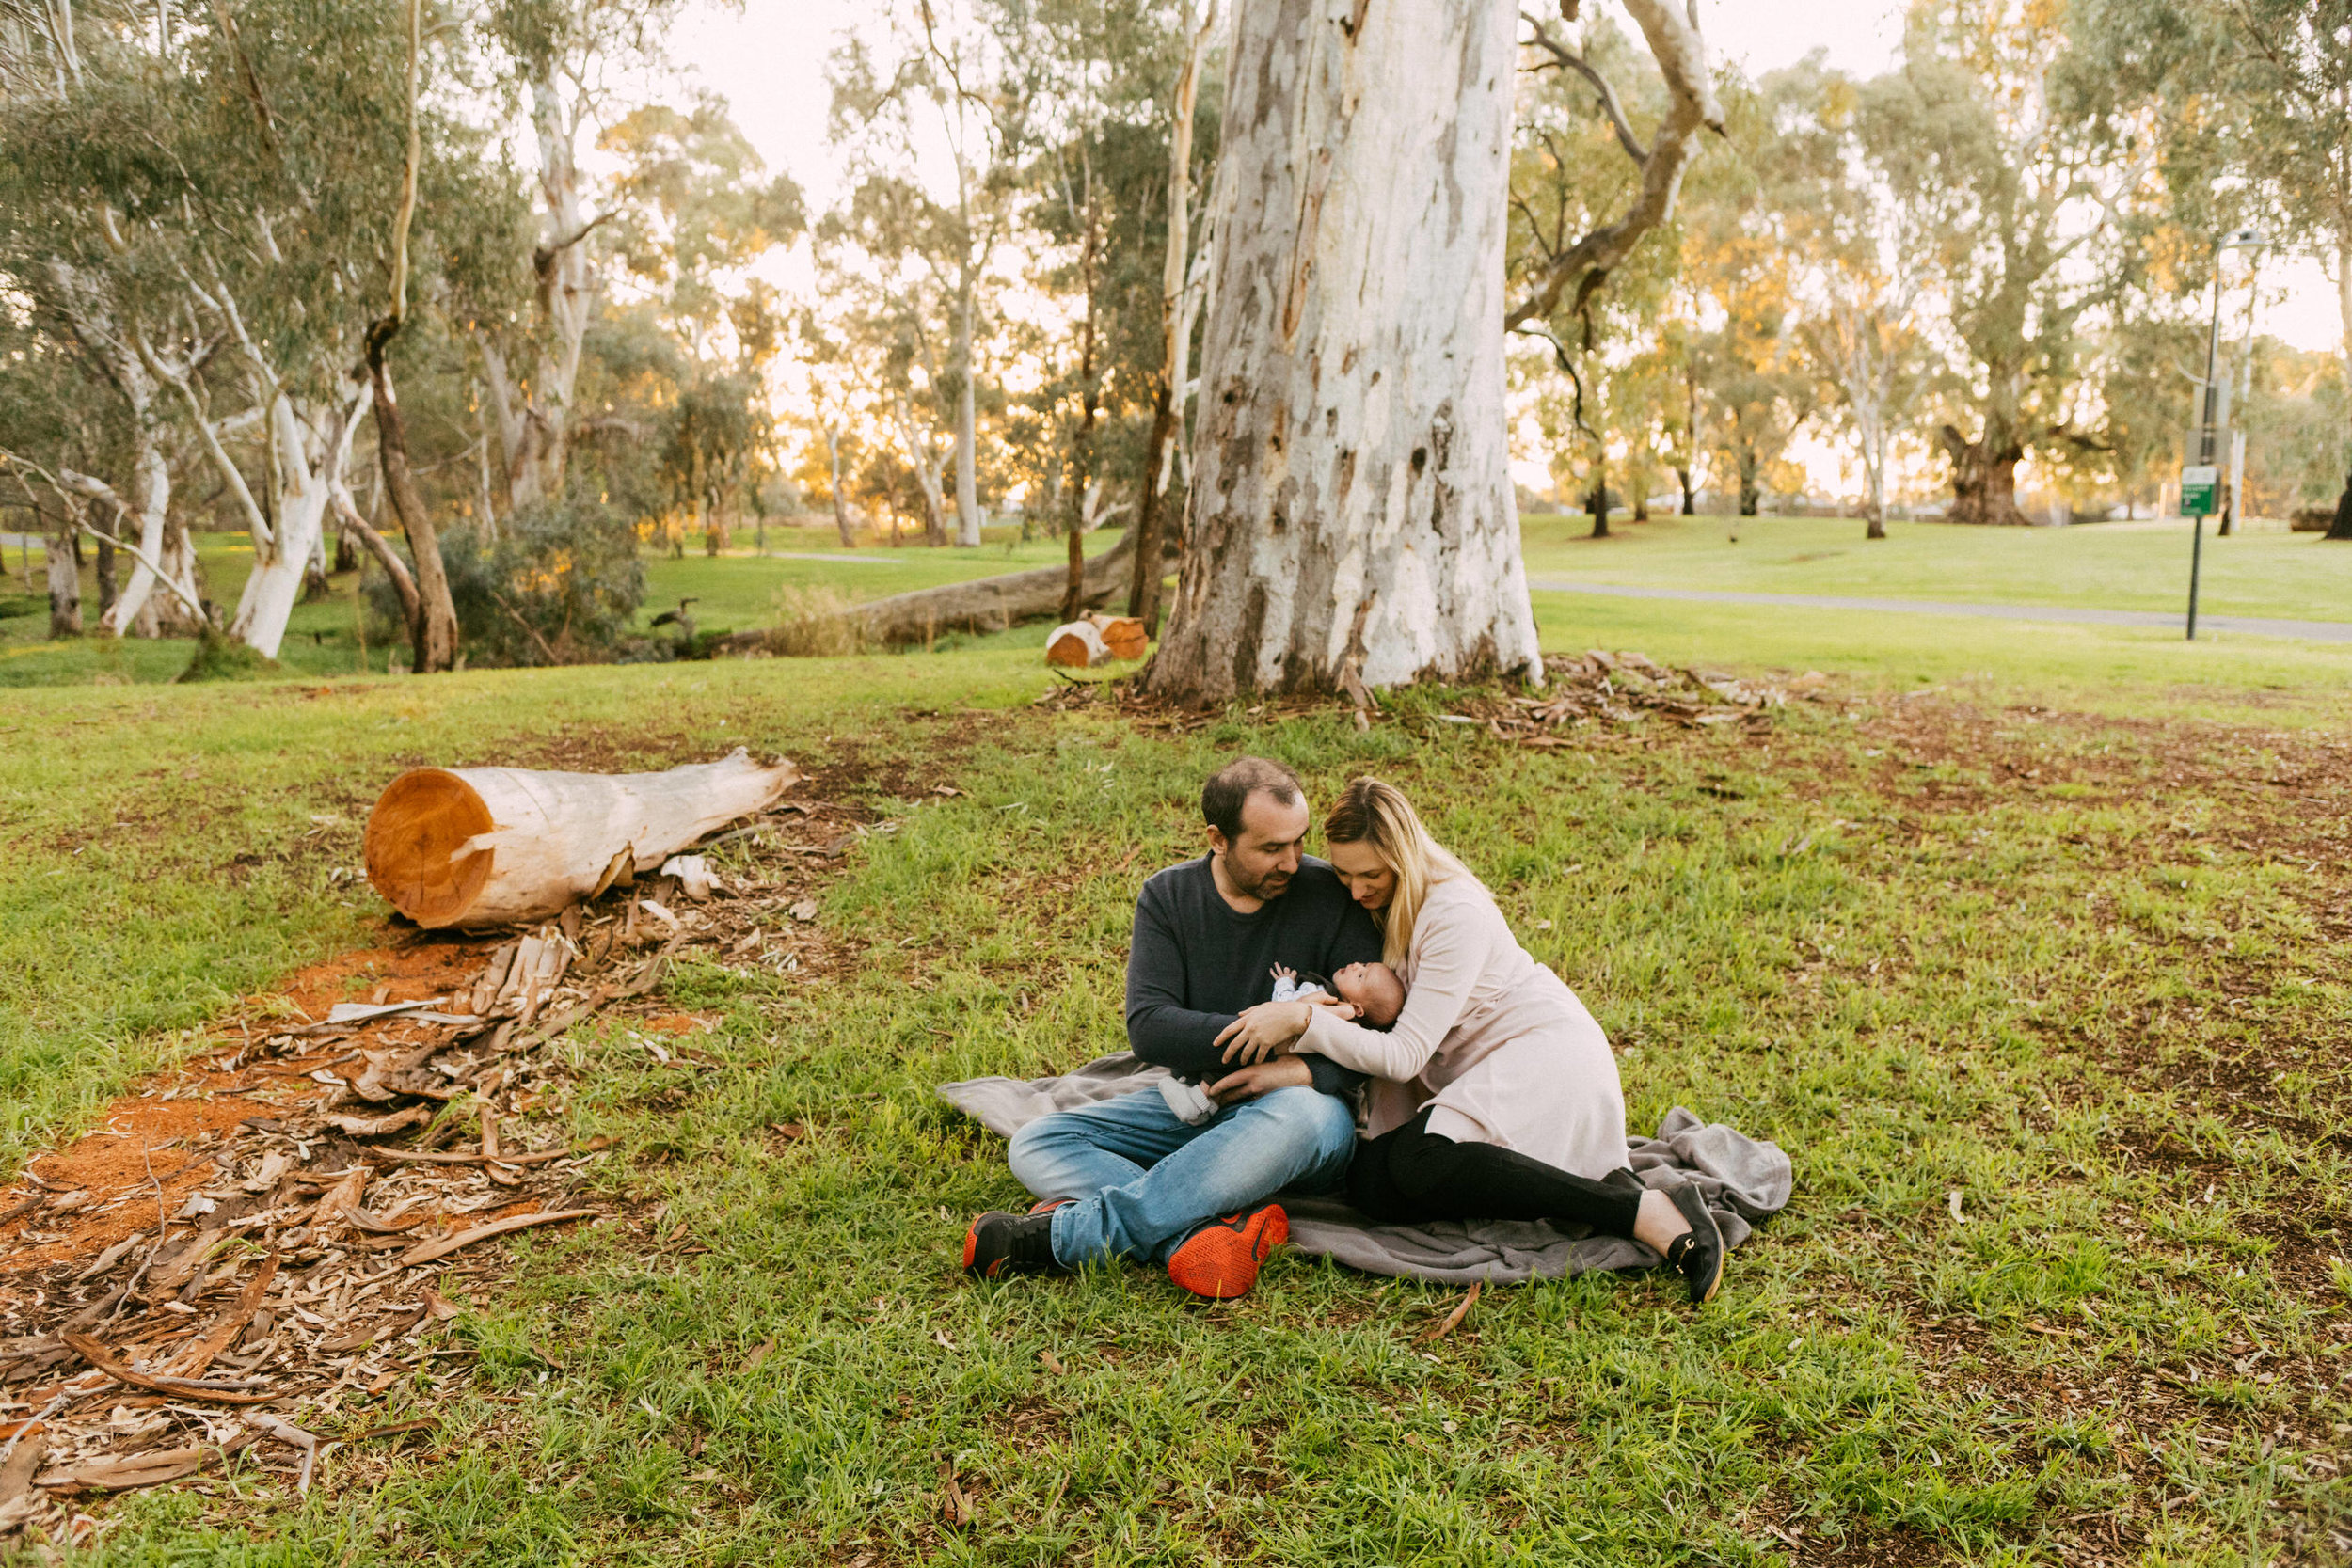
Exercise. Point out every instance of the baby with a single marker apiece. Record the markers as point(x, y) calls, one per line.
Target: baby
point(1370, 993)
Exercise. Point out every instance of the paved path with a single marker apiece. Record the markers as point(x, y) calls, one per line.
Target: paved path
point(823, 555)
point(2317, 631)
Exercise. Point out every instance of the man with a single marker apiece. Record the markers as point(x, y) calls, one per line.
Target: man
point(1126, 1178)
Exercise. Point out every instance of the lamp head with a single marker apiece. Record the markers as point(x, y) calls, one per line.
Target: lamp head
point(2246, 239)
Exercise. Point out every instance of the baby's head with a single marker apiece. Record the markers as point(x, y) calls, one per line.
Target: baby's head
point(1375, 989)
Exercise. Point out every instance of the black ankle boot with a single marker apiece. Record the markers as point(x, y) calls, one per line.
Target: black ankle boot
point(1697, 1253)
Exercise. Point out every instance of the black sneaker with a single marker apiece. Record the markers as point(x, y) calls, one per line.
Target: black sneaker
point(1698, 1252)
point(999, 1244)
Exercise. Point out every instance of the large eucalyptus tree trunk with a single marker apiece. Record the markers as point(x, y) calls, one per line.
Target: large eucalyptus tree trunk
point(1353, 521)
point(1984, 475)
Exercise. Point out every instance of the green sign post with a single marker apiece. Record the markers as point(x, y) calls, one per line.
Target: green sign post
point(2201, 490)
point(2201, 485)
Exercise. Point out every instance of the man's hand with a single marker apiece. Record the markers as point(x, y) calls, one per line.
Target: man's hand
point(1282, 1072)
point(1263, 1030)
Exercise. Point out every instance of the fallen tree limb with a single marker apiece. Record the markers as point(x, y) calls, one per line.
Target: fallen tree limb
point(481, 846)
point(991, 604)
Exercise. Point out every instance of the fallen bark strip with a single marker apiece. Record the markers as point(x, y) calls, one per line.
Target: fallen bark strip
point(232, 1323)
point(435, 1157)
point(105, 1361)
point(442, 1249)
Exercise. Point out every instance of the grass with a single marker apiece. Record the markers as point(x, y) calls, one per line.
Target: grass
point(2106, 565)
point(2081, 968)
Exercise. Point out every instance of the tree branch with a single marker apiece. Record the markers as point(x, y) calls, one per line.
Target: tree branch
point(1681, 56)
point(1567, 58)
point(230, 472)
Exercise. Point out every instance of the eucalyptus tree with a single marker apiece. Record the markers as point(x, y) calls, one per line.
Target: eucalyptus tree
point(562, 56)
point(1353, 522)
point(949, 82)
point(697, 207)
point(1857, 274)
point(1110, 118)
point(94, 281)
point(2021, 153)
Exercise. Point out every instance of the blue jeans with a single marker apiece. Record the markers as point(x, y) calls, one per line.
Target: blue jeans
point(1144, 1182)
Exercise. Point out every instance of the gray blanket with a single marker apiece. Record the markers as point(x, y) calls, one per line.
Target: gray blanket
point(1744, 1181)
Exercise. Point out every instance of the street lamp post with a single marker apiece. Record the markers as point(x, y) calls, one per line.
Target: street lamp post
point(2201, 480)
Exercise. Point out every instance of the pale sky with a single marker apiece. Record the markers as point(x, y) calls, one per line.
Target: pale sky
point(768, 60)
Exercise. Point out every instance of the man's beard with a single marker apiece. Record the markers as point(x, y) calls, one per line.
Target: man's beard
point(1272, 886)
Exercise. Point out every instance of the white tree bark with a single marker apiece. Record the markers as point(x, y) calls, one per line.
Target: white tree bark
point(1353, 521)
point(64, 577)
point(311, 455)
point(536, 423)
point(927, 466)
point(88, 307)
point(968, 519)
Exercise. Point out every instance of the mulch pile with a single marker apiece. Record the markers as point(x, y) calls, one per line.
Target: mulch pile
point(231, 1293)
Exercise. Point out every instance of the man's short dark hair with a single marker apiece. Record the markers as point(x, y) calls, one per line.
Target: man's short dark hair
point(1231, 787)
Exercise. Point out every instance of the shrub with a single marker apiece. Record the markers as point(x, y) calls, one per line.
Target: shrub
point(220, 657)
point(558, 584)
point(814, 623)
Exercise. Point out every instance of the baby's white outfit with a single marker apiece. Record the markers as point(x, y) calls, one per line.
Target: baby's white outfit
point(1189, 1103)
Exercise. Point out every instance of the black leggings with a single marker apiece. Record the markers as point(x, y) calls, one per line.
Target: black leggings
point(1412, 1174)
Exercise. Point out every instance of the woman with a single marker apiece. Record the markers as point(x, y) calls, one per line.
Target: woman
point(1495, 1095)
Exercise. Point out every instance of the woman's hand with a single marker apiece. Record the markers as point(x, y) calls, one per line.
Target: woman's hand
point(1282, 1072)
point(1264, 1029)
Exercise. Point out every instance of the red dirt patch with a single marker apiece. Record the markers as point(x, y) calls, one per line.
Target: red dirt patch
point(402, 971)
point(142, 1153)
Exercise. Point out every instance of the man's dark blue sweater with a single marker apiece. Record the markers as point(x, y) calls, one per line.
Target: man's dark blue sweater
point(1196, 961)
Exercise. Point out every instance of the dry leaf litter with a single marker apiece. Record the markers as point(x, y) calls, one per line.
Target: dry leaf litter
point(1578, 688)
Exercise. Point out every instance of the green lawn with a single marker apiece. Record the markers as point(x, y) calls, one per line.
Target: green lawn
point(2102, 565)
point(2082, 969)
point(2130, 566)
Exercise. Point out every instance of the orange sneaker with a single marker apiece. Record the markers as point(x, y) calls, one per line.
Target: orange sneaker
point(1220, 1260)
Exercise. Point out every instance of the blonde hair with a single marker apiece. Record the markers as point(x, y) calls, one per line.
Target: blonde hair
point(1377, 814)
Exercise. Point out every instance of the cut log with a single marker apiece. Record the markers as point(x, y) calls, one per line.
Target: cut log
point(991, 604)
point(480, 846)
point(1077, 645)
point(1096, 638)
point(1124, 635)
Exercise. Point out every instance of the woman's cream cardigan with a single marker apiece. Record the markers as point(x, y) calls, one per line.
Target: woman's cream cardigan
point(1494, 1043)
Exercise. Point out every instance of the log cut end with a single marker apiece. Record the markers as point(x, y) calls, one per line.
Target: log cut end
point(413, 839)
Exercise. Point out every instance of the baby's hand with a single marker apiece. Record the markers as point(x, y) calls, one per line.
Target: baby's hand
point(1283, 972)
